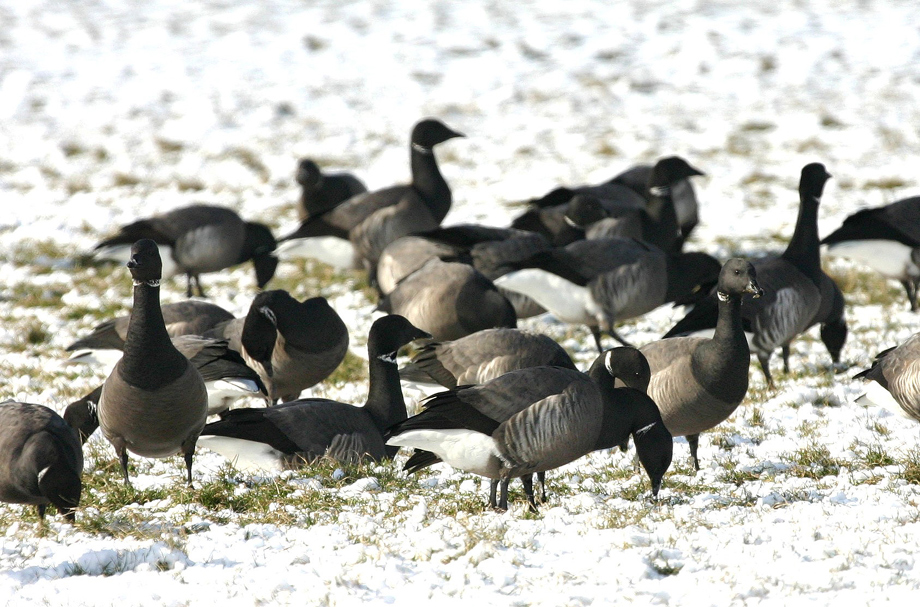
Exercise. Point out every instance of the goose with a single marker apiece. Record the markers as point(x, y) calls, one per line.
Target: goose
point(287, 435)
point(321, 192)
point(189, 317)
point(698, 382)
point(292, 345)
point(363, 225)
point(449, 300)
point(793, 283)
point(483, 356)
point(226, 378)
point(41, 461)
point(895, 379)
point(536, 419)
point(602, 281)
point(887, 239)
point(195, 240)
point(154, 403)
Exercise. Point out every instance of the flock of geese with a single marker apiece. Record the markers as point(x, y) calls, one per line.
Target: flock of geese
point(513, 402)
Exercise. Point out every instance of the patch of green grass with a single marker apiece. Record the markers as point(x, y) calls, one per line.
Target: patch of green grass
point(813, 462)
point(910, 467)
point(352, 369)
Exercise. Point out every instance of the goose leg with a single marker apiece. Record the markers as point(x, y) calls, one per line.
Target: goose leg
point(694, 441)
point(198, 285)
point(188, 285)
point(503, 496)
point(616, 336)
point(123, 458)
point(765, 366)
point(596, 332)
point(41, 512)
point(527, 479)
point(786, 358)
point(911, 289)
point(188, 465)
point(493, 489)
point(541, 477)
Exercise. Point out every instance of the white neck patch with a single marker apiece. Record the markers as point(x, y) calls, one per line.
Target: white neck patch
point(645, 429)
point(420, 148)
point(388, 358)
point(149, 283)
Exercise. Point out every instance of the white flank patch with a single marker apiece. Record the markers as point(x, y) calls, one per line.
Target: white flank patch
point(247, 455)
point(884, 256)
point(101, 358)
point(880, 397)
point(222, 392)
point(565, 300)
point(464, 449)
point(327, 249)
point(122, 253)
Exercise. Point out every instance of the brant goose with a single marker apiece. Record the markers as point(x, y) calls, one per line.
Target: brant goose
point(895, 376)
point(292, 345)
point(321, 192)
point(600, 282)
point(887, 239)
point(287, 435)
point(198, 239)
point(794, 284)
point(449, 300)
point(697, 382)
point(40, 459)
point(154, 403)
point(362, 226)
point(536, 419)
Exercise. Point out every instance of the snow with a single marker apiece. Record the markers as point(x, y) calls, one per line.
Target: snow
point(112, 111)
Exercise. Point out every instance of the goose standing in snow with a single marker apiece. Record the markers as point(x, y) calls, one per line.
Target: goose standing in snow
point(697, 382)
point(292, 345)
point(887, 239)
point(361, 227)
point(321, 192)
point(198, 239)
point(304, 430)
point(154, 403)
point(793, 282)
point(41, 461)
point(537, 419)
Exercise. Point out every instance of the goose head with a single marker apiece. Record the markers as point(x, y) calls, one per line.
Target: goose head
point(390, 333)
point(430, 132)
point(737, 278)
point(145, 263)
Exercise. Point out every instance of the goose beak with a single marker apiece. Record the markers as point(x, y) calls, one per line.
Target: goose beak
point(754, 289)
point(267, 365)
point(133, 262)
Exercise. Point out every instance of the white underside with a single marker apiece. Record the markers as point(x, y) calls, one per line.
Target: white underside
point(327, 249)
point(222, 392)
point(463, 449)
point(122, 253)
point(102, 358)
point(880, 397)
point(886, 257)
point(246, 455)
point(565, 300)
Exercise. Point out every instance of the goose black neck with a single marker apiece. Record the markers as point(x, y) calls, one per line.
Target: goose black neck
point(721, 364)
point(728, 325)
point(659, 222)
point(150, 360)
point(427, 179)
point(385, 401)
point(615, 422)
point(803, 249)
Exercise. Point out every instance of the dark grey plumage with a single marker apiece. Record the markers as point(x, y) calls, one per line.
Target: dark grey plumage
point(200, 239)
point(793, 283)
point(41, 461)
point(696, 382)
point(321, 192)
point(190, 317)
point(292, 345)
point(307, 429)
point(449, 300)
point(154, 403)
point(536, 419)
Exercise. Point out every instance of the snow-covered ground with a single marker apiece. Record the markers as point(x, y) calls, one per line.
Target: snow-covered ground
point(110, 111)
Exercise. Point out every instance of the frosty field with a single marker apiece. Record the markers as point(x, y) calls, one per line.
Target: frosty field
point(110, 112)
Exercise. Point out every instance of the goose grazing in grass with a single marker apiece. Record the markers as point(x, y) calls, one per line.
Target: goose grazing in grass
point(361, 227)
point(287, 435)
point(198, 239)
point(698, 382)
point(536, 419)
point(41, 461)
point(601, 282)
point(795, 285)
point(449, 300)
point(321, 192)
point(887, 239)
point(189, 317)
point(292, 345)
point(895, 379)
point(154, 403)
